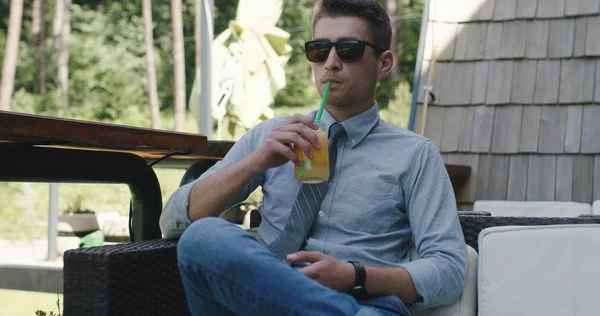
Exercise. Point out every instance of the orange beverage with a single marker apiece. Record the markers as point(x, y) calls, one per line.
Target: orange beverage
point(314, 170)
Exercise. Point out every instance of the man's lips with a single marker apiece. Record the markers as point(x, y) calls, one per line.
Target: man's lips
point(334, 83)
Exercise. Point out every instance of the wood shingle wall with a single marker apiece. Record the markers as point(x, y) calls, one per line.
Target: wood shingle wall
point(517, 87)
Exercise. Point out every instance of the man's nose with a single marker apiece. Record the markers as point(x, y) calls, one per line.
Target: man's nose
point(333, 61)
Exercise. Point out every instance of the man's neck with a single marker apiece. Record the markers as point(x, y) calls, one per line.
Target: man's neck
point(342, 113)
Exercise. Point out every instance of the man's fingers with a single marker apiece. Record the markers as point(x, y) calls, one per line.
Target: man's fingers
point(304, 119)
point(306, 130)
point(310, 135)
point(283, 150)
point(314, 270)
point(293, 138)
point(301, 129)
point(298, 133)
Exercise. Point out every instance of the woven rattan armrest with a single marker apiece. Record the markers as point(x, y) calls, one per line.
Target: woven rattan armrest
point(139, 278)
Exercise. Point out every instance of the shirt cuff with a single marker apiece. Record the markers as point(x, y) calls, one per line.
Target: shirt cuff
point(175, 218)
point(421, 274)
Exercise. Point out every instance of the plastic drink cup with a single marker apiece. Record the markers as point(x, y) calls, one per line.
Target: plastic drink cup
point(314, 170)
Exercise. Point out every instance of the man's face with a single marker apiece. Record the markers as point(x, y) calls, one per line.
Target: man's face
point(352, 83)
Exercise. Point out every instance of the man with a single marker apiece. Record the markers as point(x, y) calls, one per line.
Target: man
point(389, 186)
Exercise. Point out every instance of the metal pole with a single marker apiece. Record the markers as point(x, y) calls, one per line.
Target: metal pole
point(52, 221)
point(205, 120)
point(418, 66)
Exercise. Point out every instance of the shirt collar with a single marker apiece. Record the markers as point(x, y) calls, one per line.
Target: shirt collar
point(357, 127)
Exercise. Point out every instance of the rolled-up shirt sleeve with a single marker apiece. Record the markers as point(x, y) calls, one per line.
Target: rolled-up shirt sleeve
point(440, 269)
point(174, 218)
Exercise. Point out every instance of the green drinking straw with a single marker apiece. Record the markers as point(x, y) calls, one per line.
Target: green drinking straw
point(325, 93)
point(318, 119)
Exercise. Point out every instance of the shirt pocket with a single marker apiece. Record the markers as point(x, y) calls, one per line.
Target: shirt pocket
point(368, 205)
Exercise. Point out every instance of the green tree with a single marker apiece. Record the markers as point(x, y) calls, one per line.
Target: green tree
point(407, 24)
point(38, 30)
point(107, 71)
point(179, 63)
point(149, 47)
point(10, 56)
point(408, 33)
point(300, 90)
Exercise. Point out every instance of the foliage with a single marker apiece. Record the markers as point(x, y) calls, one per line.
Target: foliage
point(43, 313)
point(408, 27)
point(50, 313)
point(398, 110)
point(76, 207)
point(300, 89)
point(408, 38)
point(24, 303)
point(107, 76)
point(24, 207)
point(4, 13)
point(107, 66)
point(23, 211)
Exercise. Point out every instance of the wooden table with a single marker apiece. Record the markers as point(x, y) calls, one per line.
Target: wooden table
point(36, 148)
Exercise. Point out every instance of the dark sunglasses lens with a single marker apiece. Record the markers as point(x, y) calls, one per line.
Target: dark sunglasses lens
point(317, 51)
point(350, 50)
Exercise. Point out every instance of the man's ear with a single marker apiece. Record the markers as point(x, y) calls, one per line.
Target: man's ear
point(386, 62)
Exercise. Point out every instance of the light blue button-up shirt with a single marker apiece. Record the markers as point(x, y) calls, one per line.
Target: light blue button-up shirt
point(390, 186)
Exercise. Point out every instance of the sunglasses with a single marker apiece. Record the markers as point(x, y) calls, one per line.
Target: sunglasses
point(349, 50)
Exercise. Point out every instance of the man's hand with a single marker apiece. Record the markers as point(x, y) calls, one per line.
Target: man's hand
point(326, 270)
point(278, 147)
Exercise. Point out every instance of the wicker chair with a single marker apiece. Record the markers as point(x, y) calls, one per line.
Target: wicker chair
point(142, 278)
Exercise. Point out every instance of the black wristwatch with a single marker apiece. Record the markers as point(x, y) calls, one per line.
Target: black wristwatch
point(359, 291)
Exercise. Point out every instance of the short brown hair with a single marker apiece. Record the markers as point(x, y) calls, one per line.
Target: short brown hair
point(369, 10)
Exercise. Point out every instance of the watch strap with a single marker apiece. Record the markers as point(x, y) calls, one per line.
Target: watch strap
point(360, 275)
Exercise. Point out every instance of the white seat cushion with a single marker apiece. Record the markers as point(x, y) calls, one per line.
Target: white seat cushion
point(596, 208)
point(539, 270)
point(533, 209)
point(466, 304)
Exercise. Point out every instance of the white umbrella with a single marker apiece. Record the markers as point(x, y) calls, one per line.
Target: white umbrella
point(247, 65)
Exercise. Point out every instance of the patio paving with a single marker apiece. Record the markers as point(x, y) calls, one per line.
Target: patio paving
point(23, 266)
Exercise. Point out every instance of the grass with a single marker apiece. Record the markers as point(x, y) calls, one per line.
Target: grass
point(17, 303)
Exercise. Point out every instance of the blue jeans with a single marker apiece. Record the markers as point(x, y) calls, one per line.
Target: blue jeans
point(226, 271)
